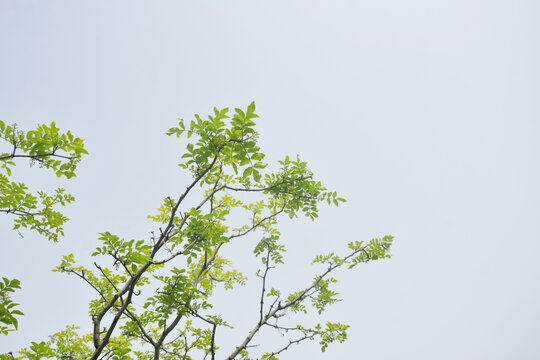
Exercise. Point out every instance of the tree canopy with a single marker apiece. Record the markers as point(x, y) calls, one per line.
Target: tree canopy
point(174, 272)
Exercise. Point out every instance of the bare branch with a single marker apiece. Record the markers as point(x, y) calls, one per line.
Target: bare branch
point(134, 317)
point(256, 225)
point(212, 343)
point(273, 313)
point(267, 267)
point(105, 275)
point(82, 276)
point(292, 342)
point(20, 212)
point(36, 157)
point(269, 187)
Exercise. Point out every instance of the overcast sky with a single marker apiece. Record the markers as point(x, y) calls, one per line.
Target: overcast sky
point(423, 114)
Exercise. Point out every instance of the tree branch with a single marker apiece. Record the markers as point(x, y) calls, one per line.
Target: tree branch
point(256, 225)
point(302, 296)
point(129, 287)
point(269, 187)
point(267, 267)
point(134, 317)
point(34, 157)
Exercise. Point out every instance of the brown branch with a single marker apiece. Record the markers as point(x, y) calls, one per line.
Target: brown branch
point(119, 313)
point(179, 316)
point(256, 225)
point(291, 342)
point(20, 212)
point(106, 277)
point(302, 296)
point(133, 317)
point(35, 157)
point(269, 187)
point(119, 260)
point(129, 287)
point(164, 235)
point(82, 276)
point(194, 242)
point(187, 304)
point(214, 327)
point(210, 197)
point(212, 343)
point(267, 267)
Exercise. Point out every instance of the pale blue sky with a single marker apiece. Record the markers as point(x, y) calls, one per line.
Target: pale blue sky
point(423, 114)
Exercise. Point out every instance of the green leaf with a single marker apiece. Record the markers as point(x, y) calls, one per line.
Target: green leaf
point(256, 176)
point(247, 172)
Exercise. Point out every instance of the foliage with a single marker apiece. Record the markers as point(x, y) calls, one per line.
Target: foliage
point(8, 322)
point(174, 272)
point(46, 146)
point(52, 150)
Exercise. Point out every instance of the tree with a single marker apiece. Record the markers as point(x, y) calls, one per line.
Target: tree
point(52, 150)
point(175, 271)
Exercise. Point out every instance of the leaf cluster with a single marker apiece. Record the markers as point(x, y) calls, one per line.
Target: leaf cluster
point(8, 310)
point(52, 150)
point(45, 145)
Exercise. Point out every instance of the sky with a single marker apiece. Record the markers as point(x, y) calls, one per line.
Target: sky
point(422, 114)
